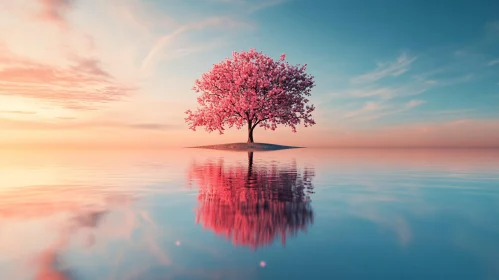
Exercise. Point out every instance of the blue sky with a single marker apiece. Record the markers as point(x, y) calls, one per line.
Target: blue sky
point(442, 53)
point(381, 68)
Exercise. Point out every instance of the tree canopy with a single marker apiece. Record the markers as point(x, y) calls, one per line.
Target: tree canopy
point(255, 90)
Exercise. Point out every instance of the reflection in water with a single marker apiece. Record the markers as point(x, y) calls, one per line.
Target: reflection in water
point(253, 204)
point(126, 215)
point(68, 219)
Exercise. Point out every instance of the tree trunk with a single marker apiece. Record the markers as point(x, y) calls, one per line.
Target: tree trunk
point(250, 134)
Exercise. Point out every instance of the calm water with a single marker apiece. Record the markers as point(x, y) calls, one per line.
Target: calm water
point(295, 214)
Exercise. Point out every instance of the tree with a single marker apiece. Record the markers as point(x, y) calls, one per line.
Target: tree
point(252, 89)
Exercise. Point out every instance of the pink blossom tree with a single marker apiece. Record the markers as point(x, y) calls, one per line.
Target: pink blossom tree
point(252, 89)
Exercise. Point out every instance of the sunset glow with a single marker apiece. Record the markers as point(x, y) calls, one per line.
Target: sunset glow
point(119, 74)
point(249, 139)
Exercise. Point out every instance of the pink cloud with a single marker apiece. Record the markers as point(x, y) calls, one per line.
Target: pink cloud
point(54, 10)
point(82, 85)
point(91, 67)
point(49, 267)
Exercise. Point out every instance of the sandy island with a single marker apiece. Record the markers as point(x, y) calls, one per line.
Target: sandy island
point(246, 147)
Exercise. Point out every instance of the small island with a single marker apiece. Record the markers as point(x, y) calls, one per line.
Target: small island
point(250, 147)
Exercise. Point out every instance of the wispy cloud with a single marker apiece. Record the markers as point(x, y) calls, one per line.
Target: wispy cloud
point(493, 62)
point(11, 124)
point(54, 11)
point(386, 69)
point(414, 103)
point(66, 118)
point(492, 27)
point(387, 92)
point(151, 126)
point(451, 112)
point(266, 4)
point(375, 110)
point(90, 66)
point(81, 85)
point(444, 76)
point(143, 17)
point(161, 42)
point(183, 52)
point(367, 108)
point(251, 6)
point(17, 112)
point(459, 122)
point(392, 110)
point(383, 100)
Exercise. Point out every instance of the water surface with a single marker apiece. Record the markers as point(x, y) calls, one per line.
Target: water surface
point(291, 214)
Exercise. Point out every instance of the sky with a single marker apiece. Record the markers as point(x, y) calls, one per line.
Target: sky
point(119, 73)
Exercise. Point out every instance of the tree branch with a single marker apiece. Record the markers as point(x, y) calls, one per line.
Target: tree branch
point(259, 121)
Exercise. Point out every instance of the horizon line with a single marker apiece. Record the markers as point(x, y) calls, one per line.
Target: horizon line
point(301, 147)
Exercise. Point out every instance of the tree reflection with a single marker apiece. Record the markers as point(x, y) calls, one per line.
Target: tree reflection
point(255, 204)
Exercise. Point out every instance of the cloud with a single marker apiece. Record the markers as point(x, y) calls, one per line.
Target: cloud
point(142, 16)
point(406, 107)
point(266, 4)
point(66, 118)
point(493, 62)
point(10, 124)
point(91, 67)
point(444, 77)
point(375, 110)
point(54, 11)
point(459, 122)
point(49, 263)
point(151, 126)
point(81, 86)
point(451, 70)
point(393, 69)
point(387, 92)
point(383, 93)
point(17, 112)
point(414, 103)
point(251, 6)
point(82, 209)
point(382, 100)
point(450, 112)
point(183, 52)
point(161, 42)
point(492, 27)
point(89, 219)
point(368, 107)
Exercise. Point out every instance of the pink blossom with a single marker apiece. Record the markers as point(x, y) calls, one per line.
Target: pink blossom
point(252, 89)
